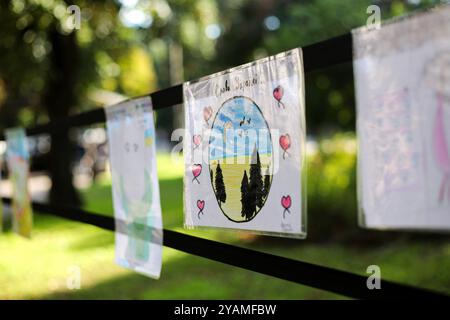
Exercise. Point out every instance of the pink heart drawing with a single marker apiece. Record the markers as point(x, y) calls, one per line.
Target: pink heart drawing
point(207, 113)
point(285, 144)
point(278, 95)
point(196, 171)
point(286, 202)
point(196, 139)
point(200, 206)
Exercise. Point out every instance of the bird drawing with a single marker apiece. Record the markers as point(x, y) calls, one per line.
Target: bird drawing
point(242, 122)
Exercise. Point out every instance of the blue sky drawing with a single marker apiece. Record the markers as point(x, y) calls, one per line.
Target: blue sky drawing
point(240, 141)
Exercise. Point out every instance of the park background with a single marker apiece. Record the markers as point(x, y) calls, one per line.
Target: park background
point(128, 48)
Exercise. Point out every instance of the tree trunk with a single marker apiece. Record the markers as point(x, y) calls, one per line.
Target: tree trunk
point(59, 99)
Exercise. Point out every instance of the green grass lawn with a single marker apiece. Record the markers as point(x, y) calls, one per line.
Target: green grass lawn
point(40, 268)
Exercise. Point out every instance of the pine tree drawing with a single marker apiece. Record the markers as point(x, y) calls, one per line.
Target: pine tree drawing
point(245, 212)
point(211, 175)
point(266, 184)
point(256, 192)
point(220, 186)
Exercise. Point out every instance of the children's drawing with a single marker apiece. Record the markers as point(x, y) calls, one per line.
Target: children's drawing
point(404, 122)
point(137, 208)
point(252, 154)
point(18, 165)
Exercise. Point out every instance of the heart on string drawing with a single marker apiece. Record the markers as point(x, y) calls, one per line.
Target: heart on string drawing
point(286, 203)
point(197, 140)
point(278, 93)
point(196, 171)
point(207, 114)
point(200, 206)
point(285, 144)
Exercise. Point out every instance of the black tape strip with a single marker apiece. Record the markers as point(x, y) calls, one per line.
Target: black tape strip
point(316, 276)
point(328, 53)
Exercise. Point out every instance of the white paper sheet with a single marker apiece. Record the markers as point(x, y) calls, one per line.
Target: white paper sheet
point(244, 148)
point(402, 79)
point(137, 208)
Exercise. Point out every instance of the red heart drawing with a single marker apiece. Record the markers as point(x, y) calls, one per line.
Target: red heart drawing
point(207, 113)
point(196, 170)
point(278, 93)
point(197, 139)
point(201, 204)
point(285, 141)
point(286, 202)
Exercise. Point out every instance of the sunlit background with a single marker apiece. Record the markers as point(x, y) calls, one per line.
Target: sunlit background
point(127, 48)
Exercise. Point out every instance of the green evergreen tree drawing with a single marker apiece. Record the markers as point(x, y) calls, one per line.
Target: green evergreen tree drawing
point(211, 175)
point(256, 192)
point(245, 212)
point(220, 186)
point(266, 183)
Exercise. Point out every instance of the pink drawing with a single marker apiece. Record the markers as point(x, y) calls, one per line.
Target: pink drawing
point(285, 144)
point(278, 95)
point(441, 149)
point(196, 171)
point(196, 139)
point(200, 206)
point(207, 113)
point(286, 202)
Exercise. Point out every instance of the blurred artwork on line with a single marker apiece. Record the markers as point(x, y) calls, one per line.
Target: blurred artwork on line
point(402, 74)
point(18, 160)
point(137, 207)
